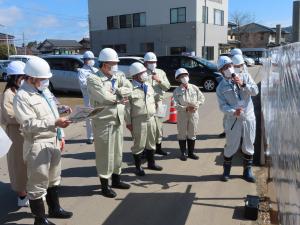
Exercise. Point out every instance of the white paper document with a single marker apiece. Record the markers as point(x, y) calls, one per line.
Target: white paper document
point(81, 113)
point(5, 143)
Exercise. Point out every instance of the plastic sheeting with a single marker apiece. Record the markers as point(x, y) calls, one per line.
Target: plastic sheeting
point(280, 97)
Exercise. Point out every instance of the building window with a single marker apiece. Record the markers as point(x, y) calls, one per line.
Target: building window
point(122, 48)
point(147, 47)
point(126, 21)
point(107, 46)
point(178, 15)
point(177, 50)
point(208, 52)
point(204, 14)
point(113, 22)
point(219, 17)
point(139, 19)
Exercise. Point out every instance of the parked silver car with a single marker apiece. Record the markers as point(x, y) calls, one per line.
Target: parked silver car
point(126, 61)
point(65, 72)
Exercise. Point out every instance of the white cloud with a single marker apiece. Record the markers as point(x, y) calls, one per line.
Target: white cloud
point(48, 22)
point(83, 24)
point(9, 16)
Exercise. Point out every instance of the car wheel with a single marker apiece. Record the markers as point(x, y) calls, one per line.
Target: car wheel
point(210, 84)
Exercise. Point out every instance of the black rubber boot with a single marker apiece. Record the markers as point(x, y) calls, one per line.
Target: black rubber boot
point(191, 149)
point(159, 151)
point(106, 190)
point(151, 161)
point(182, 145)
point(138, 165)
point(38, 210)
point(227, 167)
point(248, 174)
point(116, 182)
point(55, 211)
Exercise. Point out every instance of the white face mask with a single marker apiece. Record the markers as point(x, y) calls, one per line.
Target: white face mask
point(238, 70)
point(152, 66)
point(144, 77)
point(91, 63)
point(185, 80)
point(228, 73)
point(113, 69)
point(43, 85)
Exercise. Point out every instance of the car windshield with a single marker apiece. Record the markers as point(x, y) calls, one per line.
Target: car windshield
point(97, 64)
point(206, 63)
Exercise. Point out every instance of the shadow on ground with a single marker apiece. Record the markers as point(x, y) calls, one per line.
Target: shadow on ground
point(152, 208)
point(8, 206)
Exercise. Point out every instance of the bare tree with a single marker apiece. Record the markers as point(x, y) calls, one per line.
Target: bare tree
point(241, 18)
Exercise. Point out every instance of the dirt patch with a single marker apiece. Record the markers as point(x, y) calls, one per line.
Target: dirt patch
point(262, 191)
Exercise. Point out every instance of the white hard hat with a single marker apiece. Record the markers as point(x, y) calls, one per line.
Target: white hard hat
point(222, 61)
point(88, 55)
point(37, 68)
point(108, 55)
point(15, 68)
point(238, 60)
point(136, 68)
point(150, 57)
point(180, 71)
point(236, 51)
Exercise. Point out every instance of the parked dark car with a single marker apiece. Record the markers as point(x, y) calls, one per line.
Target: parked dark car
point(202, 72)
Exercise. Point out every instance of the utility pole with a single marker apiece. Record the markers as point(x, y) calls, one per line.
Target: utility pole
point(205, 22)
point(7, 43)
point(24, 45)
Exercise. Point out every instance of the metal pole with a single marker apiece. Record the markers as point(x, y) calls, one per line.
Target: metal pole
point(205, 22)
point(24, 45)
point(7, 45)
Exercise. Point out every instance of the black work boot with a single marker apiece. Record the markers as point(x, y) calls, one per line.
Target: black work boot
point(248, 174)
point(106, 190)
point(116, 182)
point(191, 149)
point(227, 167)
point(38, 210)
point(151, 161)
point(138, 165)
point(159, 151)
point(55, 211)
point(182, 145)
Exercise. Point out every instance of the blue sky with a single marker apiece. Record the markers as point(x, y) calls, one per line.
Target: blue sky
point(68, 18)
point(267, 12)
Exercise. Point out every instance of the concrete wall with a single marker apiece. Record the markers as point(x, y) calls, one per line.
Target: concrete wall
point(163, 37)
point(157, 11)
point(296, 21)
point(215, 35)
point(158, 28)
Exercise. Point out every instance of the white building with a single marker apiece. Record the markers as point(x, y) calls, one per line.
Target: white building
point(166, 27)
